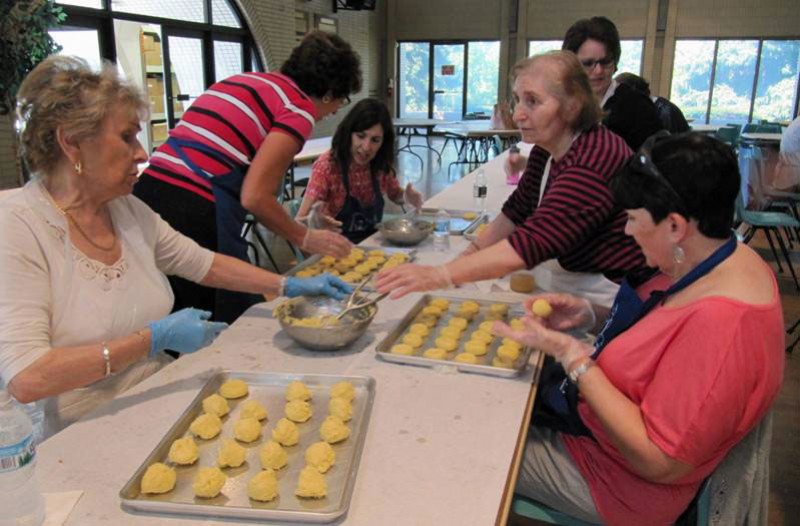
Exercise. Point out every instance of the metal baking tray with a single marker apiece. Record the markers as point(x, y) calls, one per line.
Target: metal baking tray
point(485, 362)
point(472, 232)
point(410, 252)
point(458, 225)
point(233, 502)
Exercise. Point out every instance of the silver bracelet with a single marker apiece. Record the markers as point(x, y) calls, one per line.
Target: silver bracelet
point(107, 359)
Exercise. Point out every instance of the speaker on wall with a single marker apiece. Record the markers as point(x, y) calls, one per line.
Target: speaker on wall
point(353, 5)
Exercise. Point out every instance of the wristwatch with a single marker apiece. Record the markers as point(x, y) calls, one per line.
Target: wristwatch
point(580, 370)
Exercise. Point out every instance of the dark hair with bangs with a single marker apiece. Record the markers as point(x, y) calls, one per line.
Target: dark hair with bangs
point(597, 28)
point(365, 114)
point(701, 182)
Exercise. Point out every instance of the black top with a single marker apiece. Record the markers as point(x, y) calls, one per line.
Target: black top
point(631, 115)
point(671, 116)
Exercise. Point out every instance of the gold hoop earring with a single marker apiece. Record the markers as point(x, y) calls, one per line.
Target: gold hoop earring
point(78, 168)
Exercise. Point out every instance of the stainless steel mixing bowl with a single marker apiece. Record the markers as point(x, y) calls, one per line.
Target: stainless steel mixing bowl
point(328, 337)
point(405, 232)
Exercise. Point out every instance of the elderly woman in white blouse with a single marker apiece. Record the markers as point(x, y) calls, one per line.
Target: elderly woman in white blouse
point(84, 300)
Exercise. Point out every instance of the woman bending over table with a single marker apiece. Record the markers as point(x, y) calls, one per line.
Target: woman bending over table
point(349, 180)
point(689, 359)
point(84, 296)
point(562, 208)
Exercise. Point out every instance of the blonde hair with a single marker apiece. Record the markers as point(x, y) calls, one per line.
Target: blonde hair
point(570, 86)
point(63, 92)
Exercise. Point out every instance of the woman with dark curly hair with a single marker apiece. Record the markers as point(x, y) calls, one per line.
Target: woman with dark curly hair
point(349, 180)
point(229, 153)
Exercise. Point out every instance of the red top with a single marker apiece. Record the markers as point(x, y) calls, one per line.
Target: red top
point(326, 184)
point(703, 375)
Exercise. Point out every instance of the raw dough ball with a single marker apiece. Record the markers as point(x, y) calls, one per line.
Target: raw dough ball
point(341, 408)
point(311, 484)
point(512, 343)
point(481, 336)
point(487, 326)
point(327, 261)
point(516, 324)
point(476, 347)
point(183, 451)
point(208, 482)
point(343, 389)
point(466, 357)
point(431, 310)
point(286, 433)
point(233, 388)
point(414, 340)
point(376, 253)
point(216, 405)
point(419, 328)
point(542, 308)
point(442, 303)
point(298, 411)
point(363, 269)
point(352, 276)
point(469, 216)
point(333, 430)
point(470, 305)
point(321, 456)
point(428, 320)
point(231, 454)
point(247, 430)
point(206, 426)
point(402, 348)
point(458, 322)
point(263, 487)
point(499, 362)
point(499, 308)
point(272, 455)
point(451, 332)
point(399, 256)
point(159, 478)
point(297, 390)
point(253, 409)
point(508, 353)
point(435, 353)
point(466, 313)
point(448, 344)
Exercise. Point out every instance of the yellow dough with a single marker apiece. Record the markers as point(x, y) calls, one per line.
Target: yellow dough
point(231, 454)
point(499, 362)
point(183, 451)
point(467, 313)
point(414, 340)
point(431, 310)
point(542, 308)
point(343, 389)
point(516, 324)
point(428, 320)
point(469, 216)
point(508, 353)
point(327, 261)
point(376, 253)
point(419, 328)
point(399, 256)
point(297, 390)
point(206, 426)
point(333, 430)
point(466, 357)
point(321, 456)
point(247, 430)
point(215, 405)
point(402, 348)
point(311, 484)
point(487, 326)
point(481, 228)
point(272, 455)
point(435, 353)
point(499, 308)
point(298, 411)
point(363, 269)
point(476, 347)
point(253, 409)
point(470, 305)
point(481, 336)
point(460, 323)
point(446, 343)
point(233, 388)
point(263, 486)
point(441, 303)
point(352, 277)
point(159, 478)
point(208, 482)
point(340, 407)
point(512, 343)
point(286, 433)
point(451, 332)
point(306, 273)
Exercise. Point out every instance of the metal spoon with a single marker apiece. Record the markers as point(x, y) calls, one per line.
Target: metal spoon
point(360, 306)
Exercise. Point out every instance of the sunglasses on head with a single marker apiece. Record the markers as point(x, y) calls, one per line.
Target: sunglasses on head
point(642, 163)
point(604, 63)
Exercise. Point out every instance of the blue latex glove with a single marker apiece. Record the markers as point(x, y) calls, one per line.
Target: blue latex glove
point(184, 331)
point(318, 285)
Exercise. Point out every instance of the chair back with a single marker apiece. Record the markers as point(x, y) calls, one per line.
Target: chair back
point(728, 135)
point(769, 128)
point(750, 127)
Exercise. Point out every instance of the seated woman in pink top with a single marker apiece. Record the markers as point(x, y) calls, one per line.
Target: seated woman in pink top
point(688, 361)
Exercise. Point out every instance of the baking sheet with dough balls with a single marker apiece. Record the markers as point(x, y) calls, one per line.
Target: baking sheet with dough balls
point(321, 456)
point(499, 362)
point(428, 320)
point(402, 348)
point(442, 303)
point(481, 336)
point(234, 388)
point(508, 353)
point(272, 455)
point(216, 405)
point(183, 451)
point(231, 454)
point(247, 430)
point(298, 411)
point(451, 332)
point(419, 328)
point(499, 308)
point(414, 340)
point(341, 408)
point(431, 310)
point(343, 389)
point(476, 347)
point(311, 484)
point(435, 353)
point(208, 482)
point(253, 409)
point(459, 322)
point(286, 432)
point(446, 343)
point(297, 390)
point(206, 426)
point(159, 478)
point(466, 357)
point(333, 430)
point(263, 487)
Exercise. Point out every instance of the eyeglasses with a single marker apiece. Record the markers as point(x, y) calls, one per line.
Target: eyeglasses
point(605, 63)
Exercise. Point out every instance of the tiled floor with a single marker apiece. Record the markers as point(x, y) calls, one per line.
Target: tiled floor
point(784, 506)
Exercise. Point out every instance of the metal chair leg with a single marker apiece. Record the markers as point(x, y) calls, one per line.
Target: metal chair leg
point(788, 259)
point(772, 246)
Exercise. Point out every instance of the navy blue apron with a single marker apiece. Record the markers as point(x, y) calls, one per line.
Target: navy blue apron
point(359, 221)
point(229, 217)
point(559, 401)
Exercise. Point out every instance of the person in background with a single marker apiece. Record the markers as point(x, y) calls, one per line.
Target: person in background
point(84, 296)
point(568, 215)
point(689, 360)
point(787, 169)
point(350, 179)
point(671, 116)
point(228, 157)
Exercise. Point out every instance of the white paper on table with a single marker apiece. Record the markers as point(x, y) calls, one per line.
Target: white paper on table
point(58, 506)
